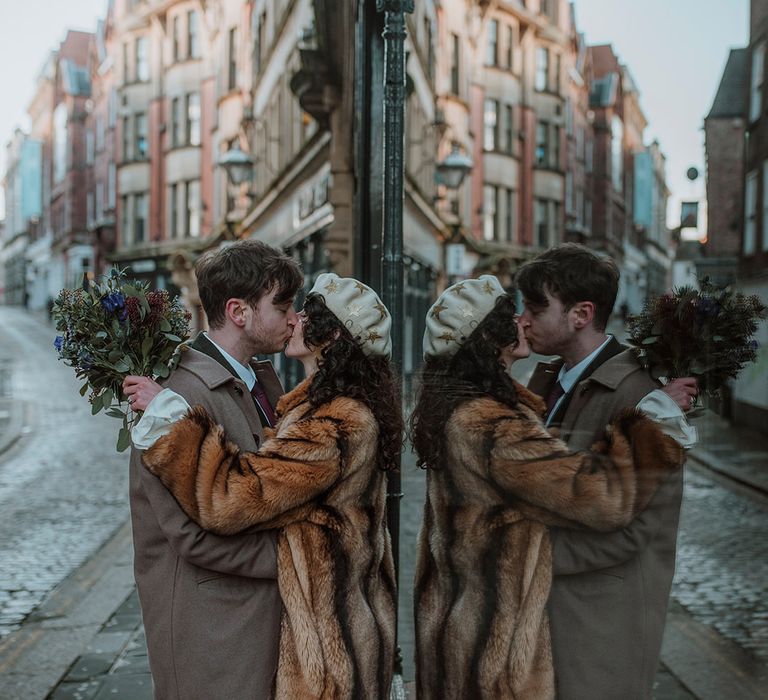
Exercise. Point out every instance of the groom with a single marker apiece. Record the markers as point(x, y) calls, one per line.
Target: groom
point(210, 604)
point(609, 593)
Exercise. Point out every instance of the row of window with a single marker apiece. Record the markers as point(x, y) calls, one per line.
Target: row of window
point(185, 42)
point(499, 217)
point(548, 63)
point(548, 137)
point(184, 207)
point(185, 128)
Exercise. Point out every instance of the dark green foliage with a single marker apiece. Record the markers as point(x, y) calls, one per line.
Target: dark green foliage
point(114, 328)
point(704, 333)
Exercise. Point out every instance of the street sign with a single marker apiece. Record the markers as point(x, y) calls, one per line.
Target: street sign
point(689, 214)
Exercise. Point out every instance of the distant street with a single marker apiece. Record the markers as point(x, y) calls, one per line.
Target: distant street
point(63, 488)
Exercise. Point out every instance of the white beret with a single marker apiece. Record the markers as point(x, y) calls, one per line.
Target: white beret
point(359, 309)
point(457, 312)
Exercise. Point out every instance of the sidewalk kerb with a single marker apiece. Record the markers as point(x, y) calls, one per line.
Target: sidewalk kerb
point(34, 658)
point(707, 461)
point(709, 665)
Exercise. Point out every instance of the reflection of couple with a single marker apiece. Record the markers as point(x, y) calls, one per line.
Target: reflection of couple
point(218, 625)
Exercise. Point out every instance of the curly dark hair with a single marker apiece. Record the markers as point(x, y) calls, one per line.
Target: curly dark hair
point(474, 371)
point(345, 370)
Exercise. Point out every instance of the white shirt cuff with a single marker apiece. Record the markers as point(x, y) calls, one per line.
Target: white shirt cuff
point(163, 411)
point(661, 408)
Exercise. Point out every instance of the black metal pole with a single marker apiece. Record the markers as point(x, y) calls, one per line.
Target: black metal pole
point(392, 235)
point(369, 143)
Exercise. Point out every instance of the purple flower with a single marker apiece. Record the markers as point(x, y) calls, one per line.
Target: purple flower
point(84, 361)
point(754, 345)
point(58, 342)
point(114, 301)
point(708, 307)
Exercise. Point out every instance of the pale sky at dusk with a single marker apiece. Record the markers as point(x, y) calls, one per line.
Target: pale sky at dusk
point(675, 49)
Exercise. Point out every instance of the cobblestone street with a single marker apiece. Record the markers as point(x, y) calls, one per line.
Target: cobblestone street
point(722, 562)
point(63, 488)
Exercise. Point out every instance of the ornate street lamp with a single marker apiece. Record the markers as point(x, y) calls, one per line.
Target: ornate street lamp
point(237, 164)
point(452, 171)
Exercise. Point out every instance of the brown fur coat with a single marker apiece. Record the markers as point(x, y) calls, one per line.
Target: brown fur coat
point(317, 480)
point(484, 565)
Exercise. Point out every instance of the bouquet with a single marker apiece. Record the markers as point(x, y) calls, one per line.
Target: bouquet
point(113, 329)
point(704, 333)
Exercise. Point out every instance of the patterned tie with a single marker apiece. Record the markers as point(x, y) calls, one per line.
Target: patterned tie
point(260, 397)
point(552, 397)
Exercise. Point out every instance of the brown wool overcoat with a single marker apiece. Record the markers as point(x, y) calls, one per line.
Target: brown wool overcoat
point(317, 479)
point(210, 604)
point(484, 564)
point(610, 591)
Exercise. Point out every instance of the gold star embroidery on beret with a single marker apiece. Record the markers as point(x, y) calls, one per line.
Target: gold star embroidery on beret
point(332, 287)
point(488, 287)
point(354, 309)
point(373, 336)
point(458, 288)
point(447, 336)
point(466, 312)
point(360, 287)
point(437, 309)
point(381, 309)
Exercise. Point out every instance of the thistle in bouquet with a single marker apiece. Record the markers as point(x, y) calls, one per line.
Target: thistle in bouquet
point(114, 328)
point(705, 333)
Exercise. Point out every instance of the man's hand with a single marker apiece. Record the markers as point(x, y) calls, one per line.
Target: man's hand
point(140, 391)
point(683, 391)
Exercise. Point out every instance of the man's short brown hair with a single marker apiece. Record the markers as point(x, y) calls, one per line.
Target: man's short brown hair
point(244, 270)
point(572, 273)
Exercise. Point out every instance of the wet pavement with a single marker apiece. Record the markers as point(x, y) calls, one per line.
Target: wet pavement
point(721, 578)
point(69, 620)
point(62, 485)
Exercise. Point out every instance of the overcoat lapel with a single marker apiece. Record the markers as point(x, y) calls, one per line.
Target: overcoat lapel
point(614, 347)
point(242, 395)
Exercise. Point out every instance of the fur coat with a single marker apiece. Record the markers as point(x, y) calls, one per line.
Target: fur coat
point(318, 481)
point(484, 562)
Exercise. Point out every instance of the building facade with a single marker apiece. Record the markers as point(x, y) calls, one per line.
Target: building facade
point(150, 108)
point(23, 207)
point(100, 146)
point(71, 247)
point(724, 138)
point(750, 391)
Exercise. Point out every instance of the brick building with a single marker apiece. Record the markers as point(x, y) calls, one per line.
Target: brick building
point(100, 151)
point(724, 134)
point(750, 405)
point(71, 248)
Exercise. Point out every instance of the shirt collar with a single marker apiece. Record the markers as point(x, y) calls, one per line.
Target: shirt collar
point(245, 372)
point(568, 378)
